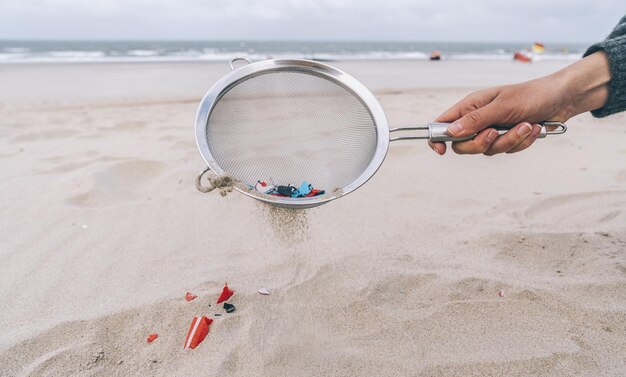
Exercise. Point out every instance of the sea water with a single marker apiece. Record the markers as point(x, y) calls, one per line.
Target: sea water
point(14, 51)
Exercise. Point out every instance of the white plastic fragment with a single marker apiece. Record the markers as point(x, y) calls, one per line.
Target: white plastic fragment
point(264, 291)
point(264, 187)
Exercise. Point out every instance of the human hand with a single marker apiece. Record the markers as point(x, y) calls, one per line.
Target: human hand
point(578, 88)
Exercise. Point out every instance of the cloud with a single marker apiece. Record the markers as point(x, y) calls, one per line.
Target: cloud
point(470, 20)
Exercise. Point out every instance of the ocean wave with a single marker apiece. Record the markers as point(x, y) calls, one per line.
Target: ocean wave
point(16, 50)
point(143, 53)
point(18, 55)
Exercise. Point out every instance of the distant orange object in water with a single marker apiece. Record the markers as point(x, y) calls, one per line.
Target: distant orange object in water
point(538, 48)
point(435, 55)
point(521, 57)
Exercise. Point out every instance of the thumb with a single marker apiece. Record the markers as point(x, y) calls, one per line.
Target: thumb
point(475, 121)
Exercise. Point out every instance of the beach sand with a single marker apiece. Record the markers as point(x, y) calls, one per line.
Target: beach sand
point(103, 232)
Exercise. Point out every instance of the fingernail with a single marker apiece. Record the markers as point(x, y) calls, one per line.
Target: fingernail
point(491, 136)
point(436, 151)
point(524, 129)
point(455, 128)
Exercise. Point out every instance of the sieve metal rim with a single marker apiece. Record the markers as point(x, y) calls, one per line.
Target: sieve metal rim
point(233, 78)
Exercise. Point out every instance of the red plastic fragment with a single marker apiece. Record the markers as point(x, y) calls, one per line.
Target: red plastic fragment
point(190, 296)
point(313, 192)
point(197, 331)
point(152, 337)
point(226, 294)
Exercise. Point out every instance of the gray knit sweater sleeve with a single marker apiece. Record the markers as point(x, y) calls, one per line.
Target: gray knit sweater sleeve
point(615, 47)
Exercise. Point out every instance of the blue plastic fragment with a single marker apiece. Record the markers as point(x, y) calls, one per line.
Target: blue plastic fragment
point(301, 191)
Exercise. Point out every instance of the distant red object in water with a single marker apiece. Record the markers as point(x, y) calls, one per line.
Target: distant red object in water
point(435, 55)
point(521, 57)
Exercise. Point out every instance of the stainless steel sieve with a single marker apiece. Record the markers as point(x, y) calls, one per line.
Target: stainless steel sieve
point(288, 121)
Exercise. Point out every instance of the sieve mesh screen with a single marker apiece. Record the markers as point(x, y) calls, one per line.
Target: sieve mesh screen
point(286, 127)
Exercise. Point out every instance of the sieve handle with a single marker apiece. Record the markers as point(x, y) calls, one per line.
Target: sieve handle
point(438, 132)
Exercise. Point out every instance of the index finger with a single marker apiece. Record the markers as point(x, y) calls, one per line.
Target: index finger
point(468, 104)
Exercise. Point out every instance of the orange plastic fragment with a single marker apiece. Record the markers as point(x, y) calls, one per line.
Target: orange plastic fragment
point(226, 294)
point(197, 331)
point(190, 296)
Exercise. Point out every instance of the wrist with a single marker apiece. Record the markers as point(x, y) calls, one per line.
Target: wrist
point(586, 83)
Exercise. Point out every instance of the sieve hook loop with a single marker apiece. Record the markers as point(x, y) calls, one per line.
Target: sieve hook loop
point(559, 128)
point(199, 186)
point(236, 59)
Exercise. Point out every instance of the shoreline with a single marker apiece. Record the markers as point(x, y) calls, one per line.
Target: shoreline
point(321, 60)
point(30, 83)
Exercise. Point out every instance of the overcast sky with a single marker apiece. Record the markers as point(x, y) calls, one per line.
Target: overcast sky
point(417, 20)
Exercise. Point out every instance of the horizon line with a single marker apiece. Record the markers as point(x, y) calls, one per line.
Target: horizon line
point(281, 40)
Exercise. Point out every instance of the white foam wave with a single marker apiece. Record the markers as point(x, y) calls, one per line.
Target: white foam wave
point(208, 54)
point(143, 53)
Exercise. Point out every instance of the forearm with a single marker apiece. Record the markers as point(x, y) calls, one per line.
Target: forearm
point(585, 83)
point(614, 46)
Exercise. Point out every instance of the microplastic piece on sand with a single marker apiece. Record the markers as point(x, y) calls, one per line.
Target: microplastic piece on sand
point(500, 293)
point(190, 296)
point(264, 291)
point(226, 294)
point(197, 331)
point(152, 338)
point(229, 307)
